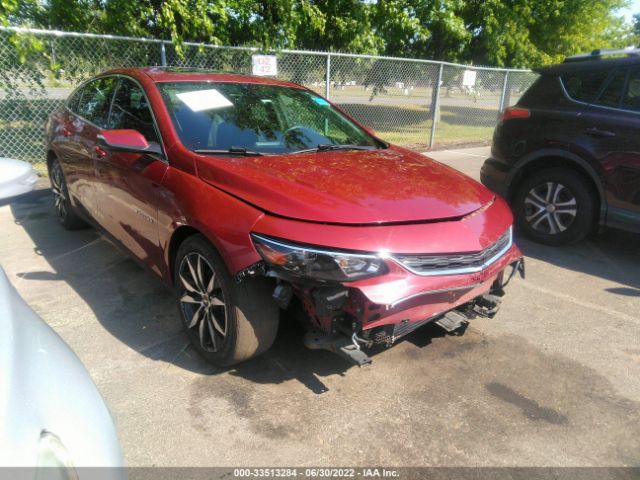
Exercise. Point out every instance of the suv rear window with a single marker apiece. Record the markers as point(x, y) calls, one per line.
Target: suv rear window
point(610, 96)
point(632, 95)
point(584, 86)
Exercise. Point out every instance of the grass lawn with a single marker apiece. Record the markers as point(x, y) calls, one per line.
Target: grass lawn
point(410, 125)
point(446, 135)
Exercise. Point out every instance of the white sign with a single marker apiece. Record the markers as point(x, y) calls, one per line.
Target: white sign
point(264, 65)
point(199, 100)
point(469, 78)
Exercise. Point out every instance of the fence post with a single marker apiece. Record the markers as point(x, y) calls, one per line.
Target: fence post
point(503, 97)
point(53, 50)
point(328, 77)
point(435, 107)
point(163, 55)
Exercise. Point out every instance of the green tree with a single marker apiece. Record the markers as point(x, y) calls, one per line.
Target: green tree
point(536, 32)
point(339, 26)
point(432, 29)
point(516, 33)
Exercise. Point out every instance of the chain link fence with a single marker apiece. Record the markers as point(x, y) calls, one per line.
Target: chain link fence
point(420, 104)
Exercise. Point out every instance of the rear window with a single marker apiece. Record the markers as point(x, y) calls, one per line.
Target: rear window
point(584, 86)
point(74, 100)
point(544, 91)
point(610, 96)
point(95, 101)
point(632, 95)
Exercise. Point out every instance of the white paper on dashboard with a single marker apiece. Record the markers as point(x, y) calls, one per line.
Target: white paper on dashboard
point(200, 100)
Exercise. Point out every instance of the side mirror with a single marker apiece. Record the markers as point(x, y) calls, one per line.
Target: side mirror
point(127, 141)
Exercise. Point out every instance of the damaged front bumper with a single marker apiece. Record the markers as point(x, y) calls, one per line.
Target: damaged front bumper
point(390, 294)
point(361, 322)
point(347, 318)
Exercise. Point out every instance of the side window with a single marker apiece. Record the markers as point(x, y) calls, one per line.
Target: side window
point(130, 110)
point(94, 104)
point(584, 86)
point(631, 99)
point(72, 102)
point(612, 93)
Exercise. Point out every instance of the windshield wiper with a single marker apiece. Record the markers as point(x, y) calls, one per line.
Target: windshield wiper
point(332, 146)
point(231, 151)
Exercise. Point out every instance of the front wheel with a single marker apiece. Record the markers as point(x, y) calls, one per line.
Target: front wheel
point(555, 207)
point(227, 322)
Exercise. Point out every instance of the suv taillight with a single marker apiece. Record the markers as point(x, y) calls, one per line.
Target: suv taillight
point(514, 112)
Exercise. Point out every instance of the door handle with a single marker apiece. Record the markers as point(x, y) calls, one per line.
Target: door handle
point(100, 153)
point(596, 132)
point(66, 132)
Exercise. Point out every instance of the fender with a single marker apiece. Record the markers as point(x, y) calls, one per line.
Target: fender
point(187, 201)
point(516, 171)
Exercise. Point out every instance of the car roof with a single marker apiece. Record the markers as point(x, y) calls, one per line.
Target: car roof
point(588, 64)
point(177, 74)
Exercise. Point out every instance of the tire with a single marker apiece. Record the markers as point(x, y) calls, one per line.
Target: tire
point(555, 207)
point(66, 213)
point(231, 322)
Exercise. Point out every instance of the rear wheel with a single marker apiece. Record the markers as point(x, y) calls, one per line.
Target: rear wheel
point(227, 322)
point(555, 207)
point(65, 212)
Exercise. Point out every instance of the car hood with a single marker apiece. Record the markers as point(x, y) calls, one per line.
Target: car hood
point(348, 187)
point(13, 170)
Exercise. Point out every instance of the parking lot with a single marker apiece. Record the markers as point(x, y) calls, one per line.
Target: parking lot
point(552, 380)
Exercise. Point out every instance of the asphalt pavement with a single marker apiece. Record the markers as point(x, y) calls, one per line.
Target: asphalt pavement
point(552, 380)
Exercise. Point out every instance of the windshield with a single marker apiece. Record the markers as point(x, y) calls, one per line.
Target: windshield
point(264, 119)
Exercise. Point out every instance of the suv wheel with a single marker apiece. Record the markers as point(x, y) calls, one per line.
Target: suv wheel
point(227, 322)
point(555, 206)
point(64, 210)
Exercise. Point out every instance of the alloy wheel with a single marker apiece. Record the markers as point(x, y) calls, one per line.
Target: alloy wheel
point(550, 208)
point(202, 301)
point(59, 196)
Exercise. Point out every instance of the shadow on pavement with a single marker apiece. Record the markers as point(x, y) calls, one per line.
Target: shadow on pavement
point(136, 308)
point(613, 255)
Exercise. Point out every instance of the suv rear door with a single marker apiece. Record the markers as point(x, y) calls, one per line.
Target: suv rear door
point(622, 164)
point(608, 129)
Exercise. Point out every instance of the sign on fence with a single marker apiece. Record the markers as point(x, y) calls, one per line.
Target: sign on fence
point(264, 65)
point(469, 78)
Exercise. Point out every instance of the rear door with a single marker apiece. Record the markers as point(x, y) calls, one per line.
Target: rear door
point(622, 162)
point(62, 140)
point(130, 182)
point(593, 127)
point(88, 117)
point(608, 129)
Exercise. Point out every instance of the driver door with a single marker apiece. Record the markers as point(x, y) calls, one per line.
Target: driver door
point(130, 183)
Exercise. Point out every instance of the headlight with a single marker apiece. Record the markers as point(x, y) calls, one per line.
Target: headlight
point(315, 263)
point(54, 462)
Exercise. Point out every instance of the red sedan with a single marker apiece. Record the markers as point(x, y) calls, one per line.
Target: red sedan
point(250, 195)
